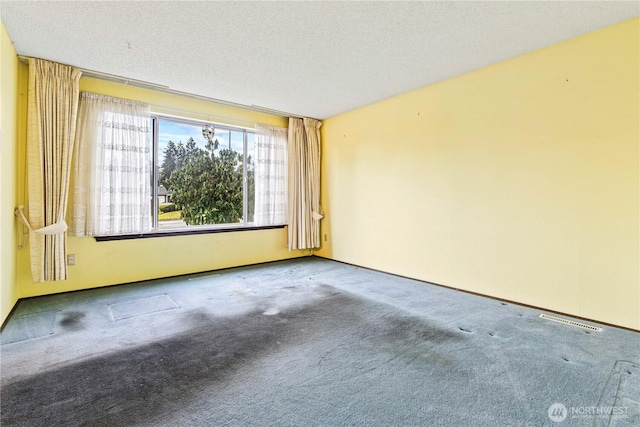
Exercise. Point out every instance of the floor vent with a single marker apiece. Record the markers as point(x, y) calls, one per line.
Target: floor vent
point(571, 323)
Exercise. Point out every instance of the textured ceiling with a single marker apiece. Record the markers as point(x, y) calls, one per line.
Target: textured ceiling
point(314, 59)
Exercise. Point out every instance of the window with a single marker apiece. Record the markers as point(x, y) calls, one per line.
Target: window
point(203, 175)
point(186, 177)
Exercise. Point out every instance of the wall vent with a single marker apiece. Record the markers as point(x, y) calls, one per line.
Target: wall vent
point(571, 323)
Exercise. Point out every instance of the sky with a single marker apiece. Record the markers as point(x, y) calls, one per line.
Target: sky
point(176, 132)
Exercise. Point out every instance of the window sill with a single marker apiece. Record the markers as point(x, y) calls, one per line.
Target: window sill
point(182, 232)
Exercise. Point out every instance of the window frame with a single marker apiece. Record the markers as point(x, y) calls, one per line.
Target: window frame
point(155, 231)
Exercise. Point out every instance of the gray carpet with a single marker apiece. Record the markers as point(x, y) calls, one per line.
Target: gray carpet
point(307, 342)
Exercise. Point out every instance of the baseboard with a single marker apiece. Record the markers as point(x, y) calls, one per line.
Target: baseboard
point(486, 296)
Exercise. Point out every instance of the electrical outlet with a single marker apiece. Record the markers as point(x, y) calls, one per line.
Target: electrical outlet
point(71, 259)
point(325, 237)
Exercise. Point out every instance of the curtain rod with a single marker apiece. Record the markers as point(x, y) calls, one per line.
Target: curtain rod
point(166, 89)
point(179, 113)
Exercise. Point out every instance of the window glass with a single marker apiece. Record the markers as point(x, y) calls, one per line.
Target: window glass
point(251, 177)
point(201, 175)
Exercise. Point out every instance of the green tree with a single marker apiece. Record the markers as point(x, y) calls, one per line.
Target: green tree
point(191, 148)
point(181, 155)
point(169, 164)
point(208, 186)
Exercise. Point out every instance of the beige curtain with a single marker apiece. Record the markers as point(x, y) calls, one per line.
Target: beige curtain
point(51, 123)
point(304, 208)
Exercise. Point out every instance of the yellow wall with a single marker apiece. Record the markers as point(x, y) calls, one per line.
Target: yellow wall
point(519, 181)
point(8, 170)
point(107, 263)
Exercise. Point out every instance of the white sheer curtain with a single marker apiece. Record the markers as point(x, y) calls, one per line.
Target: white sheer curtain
point(270, 175)
point(304, 210)
point(112, 165)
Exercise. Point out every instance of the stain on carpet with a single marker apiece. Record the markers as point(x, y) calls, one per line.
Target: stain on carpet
point(72, 320)
point(130, 386)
